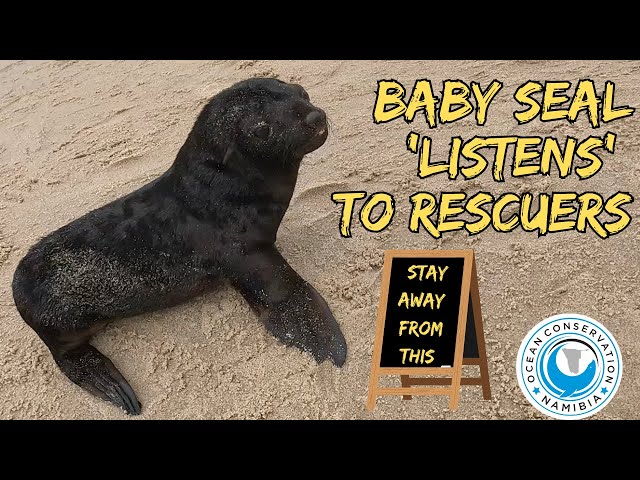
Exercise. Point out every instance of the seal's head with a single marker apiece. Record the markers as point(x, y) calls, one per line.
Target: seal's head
point(263, 119)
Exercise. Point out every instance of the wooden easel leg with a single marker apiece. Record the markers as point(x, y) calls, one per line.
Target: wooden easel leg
point(454, 396)
point(482, 350)
point(484, 373)
point(406, 383)
point(373, 387)
point(371, 401)
point(484, 367)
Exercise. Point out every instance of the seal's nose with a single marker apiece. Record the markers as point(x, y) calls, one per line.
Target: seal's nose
point(315, 119)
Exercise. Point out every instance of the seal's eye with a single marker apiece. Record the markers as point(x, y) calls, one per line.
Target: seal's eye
point(262, 131)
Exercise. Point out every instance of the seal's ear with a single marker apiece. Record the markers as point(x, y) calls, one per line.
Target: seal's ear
point(232, 156)
point(234, 161)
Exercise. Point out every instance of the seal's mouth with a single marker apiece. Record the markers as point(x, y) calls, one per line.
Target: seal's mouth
point(316, 131)
point(316, 138)
point(321, 131)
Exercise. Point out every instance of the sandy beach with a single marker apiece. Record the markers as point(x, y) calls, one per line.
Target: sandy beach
point(75, 135)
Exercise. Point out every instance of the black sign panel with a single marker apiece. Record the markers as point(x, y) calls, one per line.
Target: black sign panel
point(421, 321)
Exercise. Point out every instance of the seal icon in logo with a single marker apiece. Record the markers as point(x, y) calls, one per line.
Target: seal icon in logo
point(569, 366)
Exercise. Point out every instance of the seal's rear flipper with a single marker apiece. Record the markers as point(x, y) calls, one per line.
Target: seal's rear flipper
point(291, 309)
point(87, 367)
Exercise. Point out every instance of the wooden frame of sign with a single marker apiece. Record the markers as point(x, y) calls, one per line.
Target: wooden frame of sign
point(444, 379)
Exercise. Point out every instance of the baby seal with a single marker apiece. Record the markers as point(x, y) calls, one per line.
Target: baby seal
point(211, 217)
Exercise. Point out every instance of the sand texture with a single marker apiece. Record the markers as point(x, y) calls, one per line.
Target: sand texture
point(75, 135)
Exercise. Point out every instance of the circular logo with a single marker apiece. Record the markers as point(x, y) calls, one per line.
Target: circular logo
point(569, 366)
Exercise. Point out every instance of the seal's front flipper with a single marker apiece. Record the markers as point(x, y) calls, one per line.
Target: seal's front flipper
point(87, 367)
point(337, 345)
point(304, 320)
point(291, 309)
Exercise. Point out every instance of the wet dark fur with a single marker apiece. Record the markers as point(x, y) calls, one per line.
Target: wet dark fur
point(212, 216)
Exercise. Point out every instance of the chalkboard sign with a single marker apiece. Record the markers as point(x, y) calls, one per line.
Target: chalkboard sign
point(429, 300)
